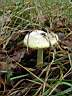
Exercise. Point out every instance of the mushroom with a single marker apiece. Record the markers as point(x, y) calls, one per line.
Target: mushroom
point(39, 40)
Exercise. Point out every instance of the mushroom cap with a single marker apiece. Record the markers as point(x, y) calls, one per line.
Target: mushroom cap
point(40, 39)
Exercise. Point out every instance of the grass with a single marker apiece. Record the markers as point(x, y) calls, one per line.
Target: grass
point(16, 17)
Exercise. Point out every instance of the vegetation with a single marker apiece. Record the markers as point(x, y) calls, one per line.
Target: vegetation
point(19, 75)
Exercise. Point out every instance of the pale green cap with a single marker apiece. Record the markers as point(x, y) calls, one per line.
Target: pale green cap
point(40, 39)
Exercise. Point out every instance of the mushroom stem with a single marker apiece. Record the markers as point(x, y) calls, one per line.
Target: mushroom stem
point(40, 58)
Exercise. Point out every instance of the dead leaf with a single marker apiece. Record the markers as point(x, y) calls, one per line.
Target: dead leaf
point(66, 43)
point(17, 55)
